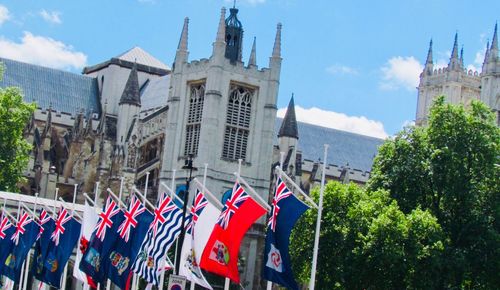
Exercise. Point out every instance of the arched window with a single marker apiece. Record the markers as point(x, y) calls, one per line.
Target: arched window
point(193, 124)
point(239, 109)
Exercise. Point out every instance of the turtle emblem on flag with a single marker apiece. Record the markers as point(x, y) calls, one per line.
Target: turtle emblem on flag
point(274, 259)
point(220, 253)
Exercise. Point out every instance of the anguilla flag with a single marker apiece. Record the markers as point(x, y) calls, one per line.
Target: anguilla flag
point(162, 233)
point(102, 241)
point(132, 232)
point(220, 255)
point(62, 241)
point(23, 238)
point(286, 210)
point(6, 232)
point(47, 225)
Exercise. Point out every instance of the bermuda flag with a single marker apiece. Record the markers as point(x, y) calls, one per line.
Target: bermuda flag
point(102, 241)
point(47, 224)
point(220, 255)
point(6, 232)
point(162, 233)
point(62, 241)
point(286, 210)
point(202, 219)
point(25, 235)
point(88, 225)
point(132, 232)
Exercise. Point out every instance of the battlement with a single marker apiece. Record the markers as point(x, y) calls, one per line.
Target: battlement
point(201, 65)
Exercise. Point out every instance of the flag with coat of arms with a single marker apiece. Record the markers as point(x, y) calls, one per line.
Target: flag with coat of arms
point(62, 241)
point(89, 222)
point(47, 225)
point(285, 212)
point(220, 255)
point(131, 233)
point(202, 218)
point(102, 240)
point(24, 236)
point(164, 229)
point(6, 243)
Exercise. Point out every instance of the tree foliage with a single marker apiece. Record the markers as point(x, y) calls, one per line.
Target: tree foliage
point(14, 150)
point(451, 168)
point(367, 242)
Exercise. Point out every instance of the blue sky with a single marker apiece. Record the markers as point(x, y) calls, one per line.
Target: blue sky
point(352, 65)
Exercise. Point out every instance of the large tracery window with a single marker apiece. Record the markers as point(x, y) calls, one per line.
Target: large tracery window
point(193, 124)
point(239, 109)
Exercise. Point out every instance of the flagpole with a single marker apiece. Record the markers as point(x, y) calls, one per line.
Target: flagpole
point(96, 196)
point(227, 282)
point(65, 273)
point(146, 184)
point(55, 202)
point(312, 282)
point(24, 280)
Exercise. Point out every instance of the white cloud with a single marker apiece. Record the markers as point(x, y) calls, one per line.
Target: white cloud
point(338, 69)
point(401, 72)
point(42, 51)
point(51, 16)
point(329, 119)
point(4, 14)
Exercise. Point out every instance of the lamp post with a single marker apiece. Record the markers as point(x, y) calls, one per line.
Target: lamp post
point(52, 170)
point(188, 165)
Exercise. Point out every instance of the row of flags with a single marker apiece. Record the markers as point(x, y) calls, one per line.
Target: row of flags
point(120, 242)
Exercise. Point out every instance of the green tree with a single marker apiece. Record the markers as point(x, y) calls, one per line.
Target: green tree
point(367, 242)
point(14, 150)
point(451, 168)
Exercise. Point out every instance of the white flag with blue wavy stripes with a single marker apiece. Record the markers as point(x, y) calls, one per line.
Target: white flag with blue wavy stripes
point(164, 229)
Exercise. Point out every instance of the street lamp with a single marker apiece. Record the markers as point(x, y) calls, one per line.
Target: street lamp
point(52, 170)
point(188, 165)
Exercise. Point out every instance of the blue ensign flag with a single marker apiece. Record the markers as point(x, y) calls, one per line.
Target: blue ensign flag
point(6, 244)
point(286, 210)
point(47, 228)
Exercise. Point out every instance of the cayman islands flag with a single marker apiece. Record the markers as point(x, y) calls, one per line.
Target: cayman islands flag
point(102, 241)
point(131, 233)
point(220, 255)
point(286, 210)
point(162, 233)
point(25, 235)
point(47, 225)
point(88, 224)
point(62, 241)
point(202, 219)
point(6, 243)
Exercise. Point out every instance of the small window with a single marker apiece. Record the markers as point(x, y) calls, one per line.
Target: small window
point(193, 124)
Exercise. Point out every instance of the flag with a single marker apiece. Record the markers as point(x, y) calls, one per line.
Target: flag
point(6, 232)
point(88, 224)
point(202, 219)
point(220, 255)
point(132, 232)
point(102, 241)
point(24, 236)
point(162, 233)
point(285, 212)
point(47, 225)
point(61, 244)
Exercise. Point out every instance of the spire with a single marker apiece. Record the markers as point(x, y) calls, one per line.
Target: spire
point(429, 66)
point(277, 42)
point(131, 93)
point(462, 56)
point(454, 52)
point(454, 63)
point(183, 42)
point(486, 55)
point(494, 44)
point(221, 31)
point(289, 125)
point(252, 61)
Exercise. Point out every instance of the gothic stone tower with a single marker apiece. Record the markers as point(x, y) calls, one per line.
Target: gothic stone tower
point(220, 111)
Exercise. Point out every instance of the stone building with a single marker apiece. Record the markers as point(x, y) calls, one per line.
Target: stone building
point(133, 118)
point(459, 85)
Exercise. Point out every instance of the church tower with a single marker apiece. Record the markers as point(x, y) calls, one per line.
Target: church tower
point(490, 77)
point(220, 111)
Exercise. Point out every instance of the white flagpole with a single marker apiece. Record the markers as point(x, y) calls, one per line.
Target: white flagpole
point(24, 280)
point(227, 282)
point(146, 184)
point(96, 196)
point(120, 193)
point(55, 203)
point(65, 273)
point(312, 282)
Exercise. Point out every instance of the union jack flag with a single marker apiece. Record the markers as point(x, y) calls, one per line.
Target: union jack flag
point(238, 196)
point(4, 225)
point(161, 212)
point(135, 208)
point(44, 218)
point(20, 227)
point(282, 192)
point(62, 218)
point(199, 204)
point(105, 221)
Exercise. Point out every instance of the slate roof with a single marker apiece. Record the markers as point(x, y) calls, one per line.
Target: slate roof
point(66, 92)
point(137, 54)
point(345, 147)
point(155, 93)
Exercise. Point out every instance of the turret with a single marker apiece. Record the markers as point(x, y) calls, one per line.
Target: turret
point(494, 46)
point(234, 36)
point(129, 106)
point(252, 60)
point(219, 46)
point(182, 53)
point(275, 59)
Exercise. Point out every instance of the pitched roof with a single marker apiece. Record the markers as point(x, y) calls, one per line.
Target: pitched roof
point(289, 124)
point(344, 147)
point(64, 91)
point(137, 54)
